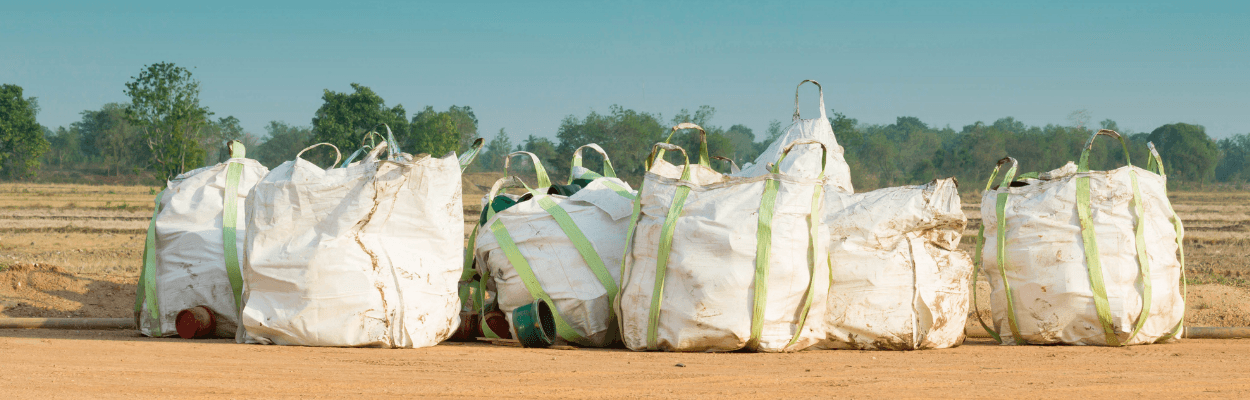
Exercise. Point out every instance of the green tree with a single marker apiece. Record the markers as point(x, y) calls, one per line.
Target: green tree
point(344, 118)
point(626, 135)
point(774, 131)
point(283, 143)
point(165, 105)
point(743, 141)
point(1110, 124)
point(466, 124)
point(434, 132)
point(1187, 151)
point(109, 137)
point(1234, 166)
point(491, 158)
point(22, 140)
point(63, 146)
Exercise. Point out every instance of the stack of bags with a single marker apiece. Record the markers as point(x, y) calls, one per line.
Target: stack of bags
point(779, 256)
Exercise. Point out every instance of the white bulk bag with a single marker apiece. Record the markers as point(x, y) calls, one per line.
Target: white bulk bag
point(564, 250)
point(366, 255)
point(193, 248)
point(1089, 257)
point(721, 263)
point(898, 281)
point(805, 161)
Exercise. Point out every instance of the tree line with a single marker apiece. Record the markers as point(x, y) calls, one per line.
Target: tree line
point(164, 131)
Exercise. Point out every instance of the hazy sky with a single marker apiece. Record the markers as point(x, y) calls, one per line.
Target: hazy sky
point(525, 67)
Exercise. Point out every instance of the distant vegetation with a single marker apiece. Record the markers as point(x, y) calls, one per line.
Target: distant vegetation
point(164, 131)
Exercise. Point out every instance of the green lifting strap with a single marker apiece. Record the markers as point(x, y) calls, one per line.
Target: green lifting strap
point(763, 251)
point(146, 293)
point(814, 248)
point(479, 297)
point(1001, 247)
point(467, 158)
point(523, 269)
point(666, 242)
point(229, 221)
point(813, 243)
point(977, 259)
point(608, 171)
point(575, 235)
point(1143, 261)
point(583, 245)
point(661, 265)
point(1001, 211)
point(1093, 260)
point(466, 273)
point(1154, 164)
point(474, 290)
point(704, 160)
point(629, 233)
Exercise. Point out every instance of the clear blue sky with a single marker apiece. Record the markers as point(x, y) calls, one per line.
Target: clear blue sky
point(524, 67)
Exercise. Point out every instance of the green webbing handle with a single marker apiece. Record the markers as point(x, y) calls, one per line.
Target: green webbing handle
point(229, 223)
point(338, 156)
point(824, 155)
point(658, 150)
point(145, 295)
point(466, 274)
point(478, 288)
point(1000, 245)
point(467, 158)
point(764, 242)
point(364, 147)
point(704, 160)
point(666, 241)
point(1084, 209)
point(392, 144)
point(733, 166)
point(543, 180)
point(522, 267)
point(1083, 164)
point(1154, 162)
point(237, 150)
point(607, 164)
point(796, 98)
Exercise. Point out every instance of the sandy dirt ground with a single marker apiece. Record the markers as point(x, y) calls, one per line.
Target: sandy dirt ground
point(116, 364)
point(74, 251)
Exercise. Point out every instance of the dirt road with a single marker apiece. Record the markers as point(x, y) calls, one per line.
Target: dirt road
point(61, 364)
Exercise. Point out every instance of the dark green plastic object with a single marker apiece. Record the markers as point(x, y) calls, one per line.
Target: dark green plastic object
point(535, 325)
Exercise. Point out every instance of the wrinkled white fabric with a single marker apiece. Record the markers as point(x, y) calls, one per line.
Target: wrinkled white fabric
point(190, 267)
point(708, 297)
point(367, 255)
point(898, 281)
point(805, 160)
point(581, 300)
point(1046, 263)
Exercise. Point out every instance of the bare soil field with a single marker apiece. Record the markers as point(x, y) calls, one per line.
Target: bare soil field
point(116, 364)
point(75, 251)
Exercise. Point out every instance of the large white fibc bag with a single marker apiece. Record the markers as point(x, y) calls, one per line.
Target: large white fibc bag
point(564, 250)
point(1083, 257)
point(366, 255)
point(193, 252)
point(721, 263)
point(805, 161)
point(898, 281)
